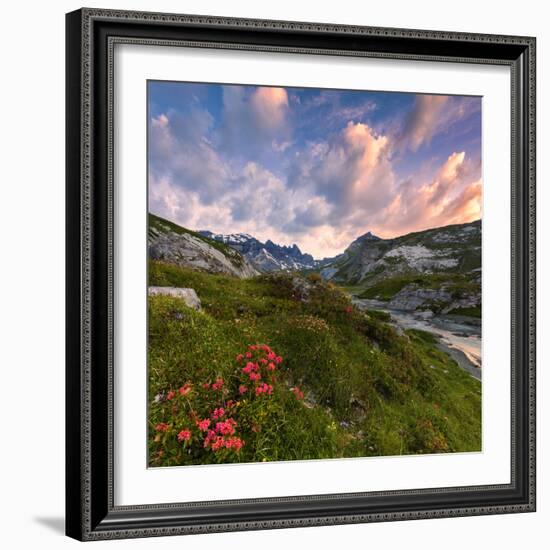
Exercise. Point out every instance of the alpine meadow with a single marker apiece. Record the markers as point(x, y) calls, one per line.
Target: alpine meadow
point(314, 272)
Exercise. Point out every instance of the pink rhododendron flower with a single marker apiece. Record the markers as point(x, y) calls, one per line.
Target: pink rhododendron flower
point(185, 389)
point(218, 384)
point(254, 376)
point(250, 367)
point(252, 347)
point(271, 355)
point(161, 427)
point(210, 436)
point(242, 389)
point(248, 355)
point(203, 425)
point(218, 413)
point(240, 357)
point(278, 359)
point(236, 443)
point(218, 443)
point(264, 388)
point(170, 395)
point(184, 435)
point(227, 427)
point(206, 385)
point(298, 393)
point(271, 366)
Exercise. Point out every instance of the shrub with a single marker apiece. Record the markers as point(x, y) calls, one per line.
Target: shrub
point(212, 421)
point(315, 278)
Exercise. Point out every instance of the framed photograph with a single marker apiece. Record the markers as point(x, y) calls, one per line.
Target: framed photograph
point(300, 274)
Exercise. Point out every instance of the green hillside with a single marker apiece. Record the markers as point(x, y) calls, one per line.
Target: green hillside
point(347, 385)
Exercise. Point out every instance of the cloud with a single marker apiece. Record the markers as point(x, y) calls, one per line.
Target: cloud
point(423, 120)
point(348, 114)
point(247, 168)
point(453, 195)
point(280, 146)
point(261, 199)
point(352, 172)
point(270, 106)
point(432, 114)
point(329, 110)
point(181, 153)
point(466, 207)
point(191, 184)
point(252, 120)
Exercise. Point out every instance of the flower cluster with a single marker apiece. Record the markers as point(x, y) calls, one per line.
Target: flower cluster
point(218, 413)
point(218, 384)
point(223, 437)
point(264, 388)
point(184, 435)
point(218, 442)
point(208, 415)
point(297, 392)
point(261, 364)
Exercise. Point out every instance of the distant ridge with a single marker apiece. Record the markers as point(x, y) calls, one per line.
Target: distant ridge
point(266, 256)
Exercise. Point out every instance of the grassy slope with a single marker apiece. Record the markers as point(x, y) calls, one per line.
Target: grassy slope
point(401, 394)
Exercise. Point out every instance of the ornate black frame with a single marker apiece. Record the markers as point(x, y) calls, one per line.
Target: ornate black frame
point(90, 510)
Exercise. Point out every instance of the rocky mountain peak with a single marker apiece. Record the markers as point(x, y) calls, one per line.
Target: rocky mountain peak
point(266, 256)
point(368, 236)
point(453, 248)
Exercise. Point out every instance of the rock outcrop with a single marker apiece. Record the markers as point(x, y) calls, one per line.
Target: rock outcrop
point(440, 300)
point(188, 295)
point(176, 245)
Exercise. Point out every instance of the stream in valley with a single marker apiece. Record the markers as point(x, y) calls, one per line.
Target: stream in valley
point(459, 337)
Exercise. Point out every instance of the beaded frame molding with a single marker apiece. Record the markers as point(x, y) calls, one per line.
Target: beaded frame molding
point(90, 40)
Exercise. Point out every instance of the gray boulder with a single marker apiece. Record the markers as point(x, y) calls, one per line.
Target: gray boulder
point(188, 295)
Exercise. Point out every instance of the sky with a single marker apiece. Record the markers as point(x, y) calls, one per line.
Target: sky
point(311, 166)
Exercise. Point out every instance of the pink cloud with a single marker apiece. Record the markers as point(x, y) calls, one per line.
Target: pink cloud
point(352, 172)
point(270, 106)
point(467, 206)
point(452, 196)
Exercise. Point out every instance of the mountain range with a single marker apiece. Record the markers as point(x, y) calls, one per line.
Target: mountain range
point(368, 259)
point(266, 256)
point(437, 269)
